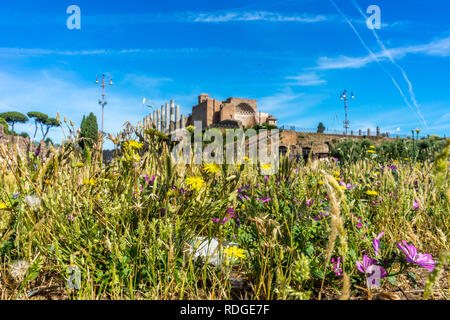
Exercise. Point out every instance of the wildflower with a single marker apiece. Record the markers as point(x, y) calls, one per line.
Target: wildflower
point(91, 182)
point(416, 205)
point(18, 270)
point(133, 144)
point(309, 203)
point(264, 200)
point(195, 182)
point(211, 168)
point(70, 217)
point(371, 193)
point(79, 164)
point(364, 266)
point(3, 205)
point(359, 225)
point(372, 147)
point(266, 166)
point(336, 264)
point(371, 151)
point(266, 178)
point(32, 201)
point(376, 243)
point(235, 252)
point(320, 183)
point(423, 260)
point(16, 195)
point(37, 151)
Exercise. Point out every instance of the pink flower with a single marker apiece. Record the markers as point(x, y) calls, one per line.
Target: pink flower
point(416, 205)
point(376, 243)
point(368, 267)
point(423, 260)
point(336, 264)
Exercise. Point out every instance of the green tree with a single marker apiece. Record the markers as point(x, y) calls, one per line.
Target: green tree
point(39, 119)
point(5, 125)
point(50, 123)
point(320, 128)
point(14, 117)
point(89, 131)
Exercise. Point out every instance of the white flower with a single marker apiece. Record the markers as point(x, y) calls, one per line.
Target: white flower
point(33, 201)
point(18, 269)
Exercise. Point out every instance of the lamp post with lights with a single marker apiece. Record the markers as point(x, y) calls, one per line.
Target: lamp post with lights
point(103, 102)
point(346, 122)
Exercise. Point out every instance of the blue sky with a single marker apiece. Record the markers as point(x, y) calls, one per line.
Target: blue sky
point(294, 57)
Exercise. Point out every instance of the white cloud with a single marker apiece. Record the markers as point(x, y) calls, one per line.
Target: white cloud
point(438, 48)
point(307, 79)
point(255, 16)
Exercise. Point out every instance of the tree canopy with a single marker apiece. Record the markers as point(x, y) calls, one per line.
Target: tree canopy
point(14, 117)
point(89, 131)
point(320, 128)
point(39, 119)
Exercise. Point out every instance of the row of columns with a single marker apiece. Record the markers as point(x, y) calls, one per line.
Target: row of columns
point(167, 119)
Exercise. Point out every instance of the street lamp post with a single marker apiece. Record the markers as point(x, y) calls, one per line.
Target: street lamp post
point(346, 122)
point(103, 102)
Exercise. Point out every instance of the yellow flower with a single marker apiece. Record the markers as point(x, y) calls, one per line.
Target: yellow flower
point(136, 157)
point(3, 205)
point(371, 193)
point(246, 159)
point(47, 181)
point(91, 182)
point(79, 164)
point(343, 187)
point(320, 183)
point(235, 252)
point(266, 166)
point(371, 151)
point(372, 147)
point(336, 173)
point(169, 193)
point(133, 144)
point(195, 182)
point(211, 168)
point(243, 207)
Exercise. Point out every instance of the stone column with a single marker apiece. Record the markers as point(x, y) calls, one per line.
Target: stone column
point(368, 132)
point(158, 120)
point(163, 118)
point(172, 116)
point(154, 119)
point(183, 121)
point(177, 117)
point(167, 120)
point(378, 131)
point(360, 132)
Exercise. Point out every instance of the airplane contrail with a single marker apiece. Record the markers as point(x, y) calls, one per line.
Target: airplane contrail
point(388, 54)
point(376, 60)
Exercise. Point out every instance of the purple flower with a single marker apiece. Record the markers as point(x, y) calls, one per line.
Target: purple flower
point(371, 270)
point(416, 205)
point(336, 264)
point(423, 260)
point(266, 178)
point(70, 218)
point(376, 243)
point(37, 151)
point(365, 265)
point(15, 195)
point(152, 180)
point(216, 220)
point(359, 225)
point(309, 203)
point(264, 200)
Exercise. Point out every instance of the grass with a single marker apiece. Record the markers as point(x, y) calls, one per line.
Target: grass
point(129, 225)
